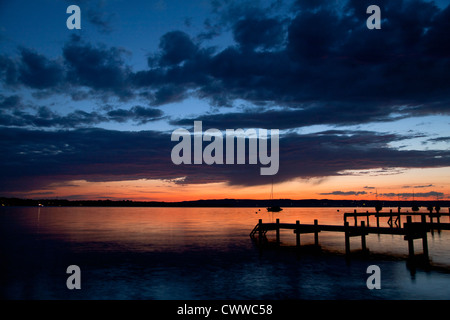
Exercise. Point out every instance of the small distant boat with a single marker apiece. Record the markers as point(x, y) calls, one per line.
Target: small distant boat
point(273, 208)
point(40, 205)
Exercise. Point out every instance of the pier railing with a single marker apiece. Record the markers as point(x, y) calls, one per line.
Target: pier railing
point(410, 230)
point(392, 214)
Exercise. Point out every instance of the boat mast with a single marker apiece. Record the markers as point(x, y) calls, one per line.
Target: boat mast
point(271, 192)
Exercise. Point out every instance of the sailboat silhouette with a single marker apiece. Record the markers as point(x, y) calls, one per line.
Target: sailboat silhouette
point(414, 206)
point(378, 205)
point(437, 208)
point(273, 208)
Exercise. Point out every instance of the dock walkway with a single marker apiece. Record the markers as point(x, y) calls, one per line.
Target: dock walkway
point(410, 230)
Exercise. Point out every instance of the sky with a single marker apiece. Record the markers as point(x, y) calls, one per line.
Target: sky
point(89, 113)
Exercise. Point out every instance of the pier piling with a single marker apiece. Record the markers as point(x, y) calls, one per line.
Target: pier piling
point(278, 232)
point(424, 238)
point(363, 236)
point(347, 239)
point(260, 229)
point(316, 233)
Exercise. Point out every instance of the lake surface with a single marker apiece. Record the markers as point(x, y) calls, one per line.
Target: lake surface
point(203, 253)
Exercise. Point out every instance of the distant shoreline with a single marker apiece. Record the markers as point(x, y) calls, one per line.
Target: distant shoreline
point(221, 203)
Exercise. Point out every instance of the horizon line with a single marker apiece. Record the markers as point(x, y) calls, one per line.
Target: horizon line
point(221, 199)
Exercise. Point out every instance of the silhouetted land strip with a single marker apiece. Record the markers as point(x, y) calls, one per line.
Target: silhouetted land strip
point(220, 203)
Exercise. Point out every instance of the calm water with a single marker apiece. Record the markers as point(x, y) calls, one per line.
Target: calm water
point(201, 253)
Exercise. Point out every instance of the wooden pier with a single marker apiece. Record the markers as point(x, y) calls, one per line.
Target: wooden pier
point(410, 231)
point(397, 215)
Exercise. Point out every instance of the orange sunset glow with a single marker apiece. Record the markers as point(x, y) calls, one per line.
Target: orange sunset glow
point(418, 181)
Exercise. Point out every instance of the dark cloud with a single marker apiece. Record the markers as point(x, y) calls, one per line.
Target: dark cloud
point(310, 4)
point(45, 157)
point(10, 102)
point(14, 113)
point(176, 47)
point(82, 65)
point(437, 41)
point(332, 114)
point(424, 186)
point(45, 117)
point(317, 64)
point(258, 33)
point(345, 193)
point(321, 155)
point(440, 139)
point(319, 60)
point(313, 35)
point(31, 69)
point(139, 114)
point(97, 67)
point(169, 94)
point(8, 70)
point(36, 71)
point(332, 66)
point(431, 194)
point(35, 158)
point(331, 57)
